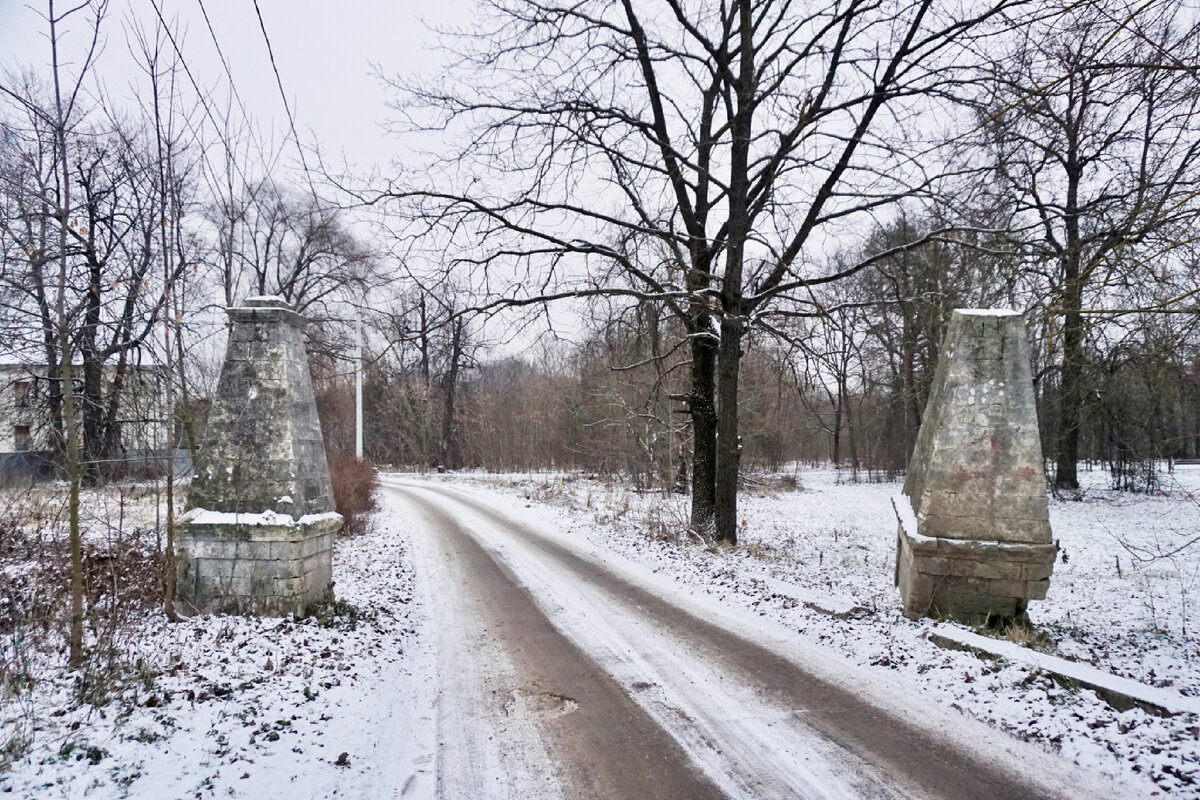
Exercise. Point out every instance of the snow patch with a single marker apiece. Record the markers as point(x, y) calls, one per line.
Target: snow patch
point(908, 518)
point(1172, 702)
point(258, 708)
point(202, 516)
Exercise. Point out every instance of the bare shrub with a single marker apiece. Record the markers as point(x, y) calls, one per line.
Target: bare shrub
point(660, 522)
point(354, 484)
point(122, 582)
point(1137, 475)
point(770, 483)
point(123, 570)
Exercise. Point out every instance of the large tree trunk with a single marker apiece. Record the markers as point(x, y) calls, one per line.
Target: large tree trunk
point(56, 436)
point(851, 434)
point(1071, 385)
point(836, 455)
point(91, 398)
point(423, 344)
point(729, 448)
point(733, 326)
point(113, 445)
point(704, 433)
point(910, 393)
point(91, 410)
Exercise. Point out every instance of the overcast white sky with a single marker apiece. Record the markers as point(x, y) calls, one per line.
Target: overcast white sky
point(324, 51)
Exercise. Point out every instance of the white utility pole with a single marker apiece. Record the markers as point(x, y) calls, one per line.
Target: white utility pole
point(358, 375)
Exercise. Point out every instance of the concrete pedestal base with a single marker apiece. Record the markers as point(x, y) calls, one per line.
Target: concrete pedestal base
point(261, 564)
point(967, 579)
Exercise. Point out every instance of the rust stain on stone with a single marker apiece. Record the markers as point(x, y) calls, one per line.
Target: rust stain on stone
point(973, 482)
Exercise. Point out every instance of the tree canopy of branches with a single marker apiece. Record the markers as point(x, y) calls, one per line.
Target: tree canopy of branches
point(283, 242)
point(1092, 123)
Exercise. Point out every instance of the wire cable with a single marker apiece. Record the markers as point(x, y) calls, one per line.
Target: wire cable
point(286, 105)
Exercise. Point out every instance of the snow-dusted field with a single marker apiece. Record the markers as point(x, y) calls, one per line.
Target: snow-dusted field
point(234, 707)
point(829, 547)
point(241, 707)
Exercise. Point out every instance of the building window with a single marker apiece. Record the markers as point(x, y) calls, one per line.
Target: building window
point(22, 438)
point(21, 393)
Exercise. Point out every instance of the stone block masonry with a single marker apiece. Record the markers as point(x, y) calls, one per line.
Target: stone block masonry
point(263, 448)
point(974, 536)
point(258, 536)
point(274, 568)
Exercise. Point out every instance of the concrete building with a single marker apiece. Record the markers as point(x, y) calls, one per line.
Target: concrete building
point(26, 446)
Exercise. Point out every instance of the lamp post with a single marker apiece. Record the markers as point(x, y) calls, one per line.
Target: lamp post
point(358, 391)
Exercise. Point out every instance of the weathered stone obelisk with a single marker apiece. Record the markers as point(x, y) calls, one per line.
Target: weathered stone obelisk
point(259, 536)
point(974, 539)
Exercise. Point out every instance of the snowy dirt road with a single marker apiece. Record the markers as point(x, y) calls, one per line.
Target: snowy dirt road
point(568, 672)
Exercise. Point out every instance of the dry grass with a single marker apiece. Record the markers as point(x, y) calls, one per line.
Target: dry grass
point(354, 485)
point(122, 579)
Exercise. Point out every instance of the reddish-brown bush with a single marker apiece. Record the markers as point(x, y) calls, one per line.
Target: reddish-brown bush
point(354, 485)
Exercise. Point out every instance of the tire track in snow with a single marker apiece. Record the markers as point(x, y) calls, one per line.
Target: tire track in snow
point(762, 725)
point(604, 744)
point(478, 752)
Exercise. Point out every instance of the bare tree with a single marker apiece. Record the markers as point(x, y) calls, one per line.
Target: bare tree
point(430, 346)
point(1095, 138)
point(61, 119)
point(913, 292)
point(300, 248)
point(28, 225)
point(169, 173)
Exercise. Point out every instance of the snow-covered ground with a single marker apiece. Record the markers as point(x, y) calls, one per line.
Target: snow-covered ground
point(241, 707)
point(336, 706)
point(828, 546)
point(759, 712)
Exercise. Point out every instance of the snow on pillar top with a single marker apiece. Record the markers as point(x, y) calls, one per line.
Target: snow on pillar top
point(266, 301)
point(987, 312)
point(266, 307)
point(976, 471)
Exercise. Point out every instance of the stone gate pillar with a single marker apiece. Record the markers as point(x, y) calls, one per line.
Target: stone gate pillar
point(974, 537)
point(258, 537)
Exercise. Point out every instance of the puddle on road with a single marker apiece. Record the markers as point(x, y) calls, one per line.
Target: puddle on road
point(539, 705)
